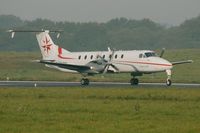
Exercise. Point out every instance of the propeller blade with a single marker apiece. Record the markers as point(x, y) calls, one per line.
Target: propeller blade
point(115, 67)
point(98, 56)
point(111, 56)
point(107, 66)
point(105, 69)
point(109, 61)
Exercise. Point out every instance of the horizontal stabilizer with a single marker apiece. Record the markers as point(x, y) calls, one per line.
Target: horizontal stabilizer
point(35, 31)
point(48, 31)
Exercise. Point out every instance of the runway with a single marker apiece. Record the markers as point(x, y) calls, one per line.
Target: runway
point(92, 84)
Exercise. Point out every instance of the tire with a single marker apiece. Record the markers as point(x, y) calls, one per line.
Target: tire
point(134, 81)
point(168, 82)
point(85, 81)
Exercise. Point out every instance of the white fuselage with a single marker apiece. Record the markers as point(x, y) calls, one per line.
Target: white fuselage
point(125, 61)
point(139, 61)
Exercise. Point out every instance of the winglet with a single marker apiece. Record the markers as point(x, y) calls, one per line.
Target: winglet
point(12, 33)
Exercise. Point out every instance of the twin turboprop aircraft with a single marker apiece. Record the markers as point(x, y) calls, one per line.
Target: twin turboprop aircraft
point(135, 62)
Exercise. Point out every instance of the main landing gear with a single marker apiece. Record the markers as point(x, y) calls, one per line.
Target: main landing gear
point(134, 81)
point(85, 81)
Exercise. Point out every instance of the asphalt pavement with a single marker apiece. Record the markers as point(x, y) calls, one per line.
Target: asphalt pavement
point(92, 84)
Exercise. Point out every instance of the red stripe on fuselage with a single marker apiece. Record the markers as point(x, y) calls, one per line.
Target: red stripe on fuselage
point(148, 63)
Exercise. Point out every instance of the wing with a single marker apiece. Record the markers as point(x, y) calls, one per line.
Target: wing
point(78, 68)
point(181, 62)
point(93, 67)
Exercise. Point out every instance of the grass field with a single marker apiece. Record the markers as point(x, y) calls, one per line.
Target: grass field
point(89, 110)
point(18, 66)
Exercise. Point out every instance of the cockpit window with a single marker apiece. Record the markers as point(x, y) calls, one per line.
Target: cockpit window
point(142, 56)
point(150, 54)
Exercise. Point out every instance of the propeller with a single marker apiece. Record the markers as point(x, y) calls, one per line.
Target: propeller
point(109, 62)
point(106, 63)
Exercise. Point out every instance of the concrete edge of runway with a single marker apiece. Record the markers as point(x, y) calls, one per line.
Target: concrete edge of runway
point(92, 84)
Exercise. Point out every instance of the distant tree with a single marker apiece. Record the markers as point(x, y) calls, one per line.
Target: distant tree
point(10, 21)
point(118, 33)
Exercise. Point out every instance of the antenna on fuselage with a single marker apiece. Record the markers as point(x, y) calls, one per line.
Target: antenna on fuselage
point(162, 52)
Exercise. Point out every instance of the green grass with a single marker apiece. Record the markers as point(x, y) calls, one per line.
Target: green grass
point(18, 66)
point(89, 110)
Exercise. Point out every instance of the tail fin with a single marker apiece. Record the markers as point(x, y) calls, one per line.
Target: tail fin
point(49, 50)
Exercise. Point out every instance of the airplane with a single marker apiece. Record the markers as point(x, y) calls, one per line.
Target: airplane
point(135, 62)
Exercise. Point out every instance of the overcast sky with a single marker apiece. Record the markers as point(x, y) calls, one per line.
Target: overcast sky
point(171, 12)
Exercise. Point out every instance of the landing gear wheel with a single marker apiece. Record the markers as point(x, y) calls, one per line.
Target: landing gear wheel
point(168, 82)
point(85, 81)
point(134, 81)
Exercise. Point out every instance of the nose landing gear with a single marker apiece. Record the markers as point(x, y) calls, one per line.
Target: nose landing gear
point(169, 82)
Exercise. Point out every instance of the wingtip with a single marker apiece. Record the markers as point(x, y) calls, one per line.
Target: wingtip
point(191, 61)
point(9, 31)
point(37, 61)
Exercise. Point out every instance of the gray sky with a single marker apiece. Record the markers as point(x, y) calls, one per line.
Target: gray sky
point(162, 11)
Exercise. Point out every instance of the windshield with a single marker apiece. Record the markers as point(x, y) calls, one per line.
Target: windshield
point(150, 54)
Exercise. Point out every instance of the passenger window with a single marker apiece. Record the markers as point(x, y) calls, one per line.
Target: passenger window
point(122, 56)
point(91, 57)
point(110, 56)
point(79, 57)
point(116, 56)
point(104, 56)
point(85, 57)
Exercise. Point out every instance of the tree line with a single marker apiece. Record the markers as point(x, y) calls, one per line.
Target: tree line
point(118, 33)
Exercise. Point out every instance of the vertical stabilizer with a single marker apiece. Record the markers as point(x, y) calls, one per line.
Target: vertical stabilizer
point(49, 50)
point(47, 46)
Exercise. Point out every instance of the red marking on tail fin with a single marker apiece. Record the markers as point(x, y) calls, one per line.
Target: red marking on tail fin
point(46, 45)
